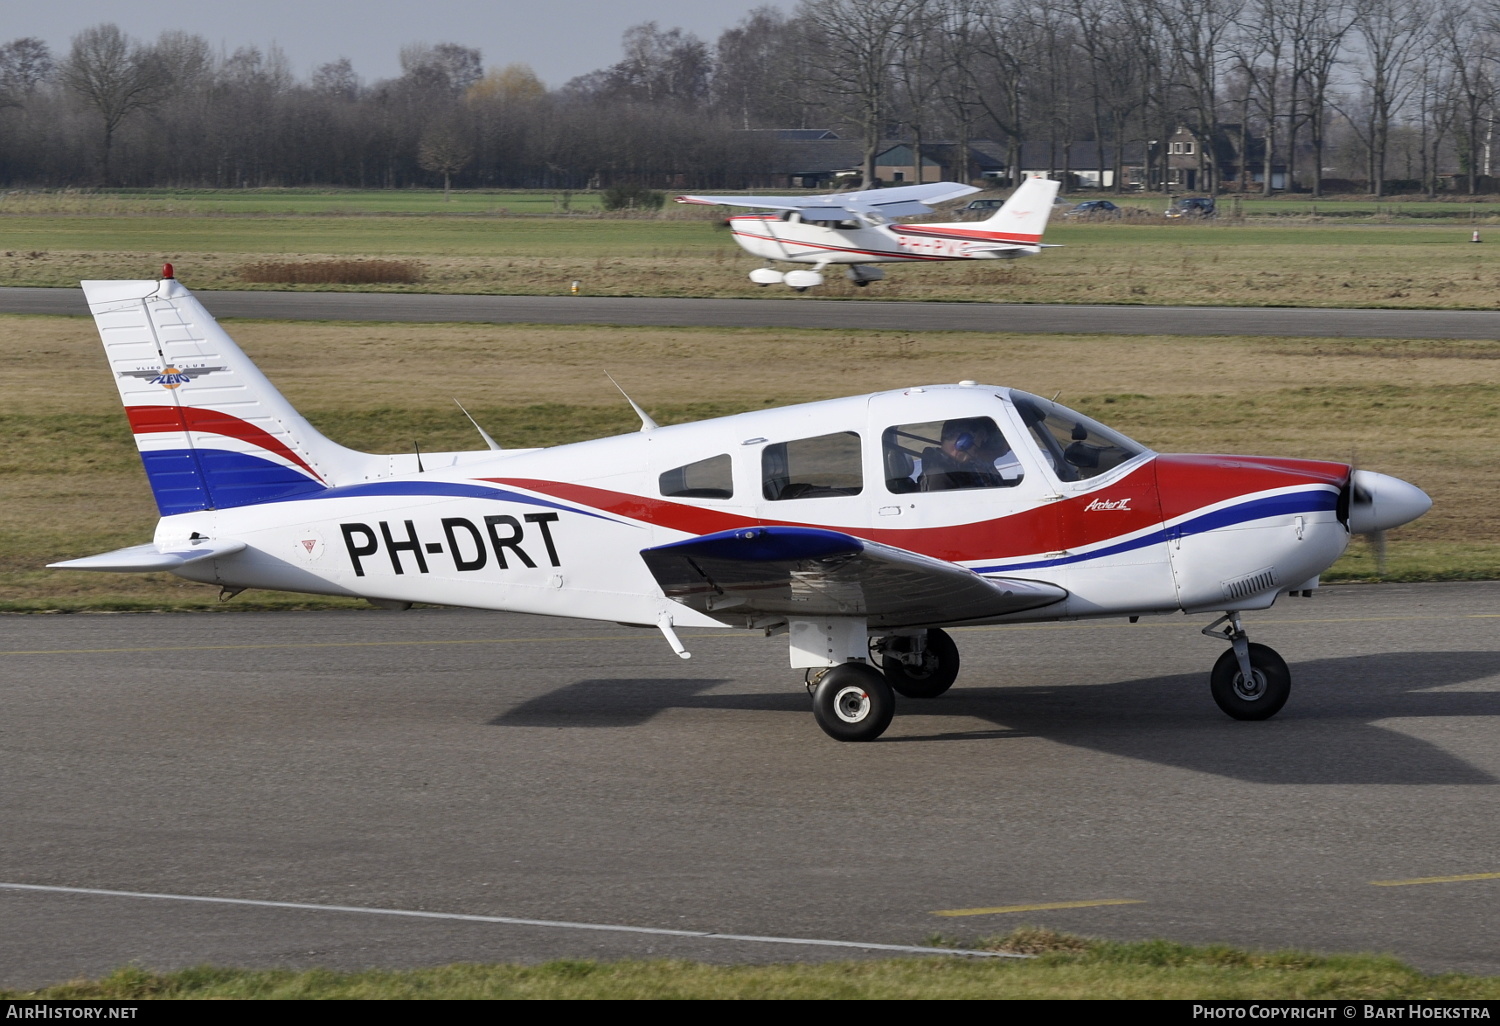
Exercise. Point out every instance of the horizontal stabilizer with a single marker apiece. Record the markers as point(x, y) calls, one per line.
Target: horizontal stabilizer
point(139, 559)
point(803, 572)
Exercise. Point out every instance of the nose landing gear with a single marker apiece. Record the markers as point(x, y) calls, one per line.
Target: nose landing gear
point(1250, 681)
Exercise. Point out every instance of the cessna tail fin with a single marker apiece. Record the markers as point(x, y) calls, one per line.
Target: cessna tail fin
point(212, 431)
point(1023, 218)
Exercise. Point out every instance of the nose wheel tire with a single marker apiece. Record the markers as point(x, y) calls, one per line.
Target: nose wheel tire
point(853, 702)
point(1259, 698)
point(933, 676)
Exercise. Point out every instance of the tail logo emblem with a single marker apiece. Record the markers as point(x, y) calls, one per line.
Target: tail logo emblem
point(171, 377)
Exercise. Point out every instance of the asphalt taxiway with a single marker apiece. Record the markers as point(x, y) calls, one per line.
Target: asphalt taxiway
point(579, 775)
point(805, 312)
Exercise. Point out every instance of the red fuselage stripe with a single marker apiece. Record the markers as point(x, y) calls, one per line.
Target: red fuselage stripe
point(842, 249)
point(1163, 489)
point(149, 419)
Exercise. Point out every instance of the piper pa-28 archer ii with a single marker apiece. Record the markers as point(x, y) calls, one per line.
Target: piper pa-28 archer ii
point(855, 229)
point(858, 527)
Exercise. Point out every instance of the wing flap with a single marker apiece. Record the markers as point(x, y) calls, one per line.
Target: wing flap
point(805, 573)
point(140, 559)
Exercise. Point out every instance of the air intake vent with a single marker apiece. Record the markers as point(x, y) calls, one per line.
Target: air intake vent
point(1251, 584)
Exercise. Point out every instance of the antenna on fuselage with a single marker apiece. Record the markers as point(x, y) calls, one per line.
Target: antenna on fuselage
point(646, 422)
point(418, 447)
point(482, 432)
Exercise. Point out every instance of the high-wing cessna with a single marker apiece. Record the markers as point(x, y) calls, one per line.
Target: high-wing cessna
point(858, 527)
point(855, 229)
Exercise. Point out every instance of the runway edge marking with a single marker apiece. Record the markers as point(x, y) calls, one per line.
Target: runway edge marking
point(514, 921)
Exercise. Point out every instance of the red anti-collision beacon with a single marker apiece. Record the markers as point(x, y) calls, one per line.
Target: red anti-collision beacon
point(166, 270)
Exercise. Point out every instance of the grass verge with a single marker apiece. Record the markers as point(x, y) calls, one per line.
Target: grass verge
point(1215, 263)
point(1065, 967)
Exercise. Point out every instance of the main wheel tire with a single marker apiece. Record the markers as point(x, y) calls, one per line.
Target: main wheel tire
point(853, 702)
point(1264, 696)
point(937, 673)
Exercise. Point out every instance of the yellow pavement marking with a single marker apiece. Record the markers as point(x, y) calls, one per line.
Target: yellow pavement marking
point(1435, 879)
point(642, 636)
point(1042, 907)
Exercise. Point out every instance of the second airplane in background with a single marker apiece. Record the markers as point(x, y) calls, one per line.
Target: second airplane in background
point(857, 229)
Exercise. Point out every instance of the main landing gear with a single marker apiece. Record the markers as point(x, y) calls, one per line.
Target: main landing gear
point(854, 701)
point(918, 665)
point(1249, 681)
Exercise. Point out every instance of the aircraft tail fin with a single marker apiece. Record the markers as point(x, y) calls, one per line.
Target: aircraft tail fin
point(213, 432)
point(1023, 218)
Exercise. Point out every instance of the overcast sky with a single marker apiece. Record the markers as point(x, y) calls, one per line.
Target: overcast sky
point(558, 38)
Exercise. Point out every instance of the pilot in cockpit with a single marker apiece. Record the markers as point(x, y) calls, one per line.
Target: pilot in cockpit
point(973, 454)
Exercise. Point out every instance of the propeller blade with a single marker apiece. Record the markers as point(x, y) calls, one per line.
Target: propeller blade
point(1377, 546)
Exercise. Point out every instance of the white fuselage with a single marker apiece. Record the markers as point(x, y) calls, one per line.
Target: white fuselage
point(786, 237)
point(559, 531)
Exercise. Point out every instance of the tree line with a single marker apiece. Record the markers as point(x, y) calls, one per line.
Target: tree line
point(1366, 90)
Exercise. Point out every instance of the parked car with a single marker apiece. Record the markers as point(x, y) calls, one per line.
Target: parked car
point(1093, 210)
point(979, 209)
point(1192, 206)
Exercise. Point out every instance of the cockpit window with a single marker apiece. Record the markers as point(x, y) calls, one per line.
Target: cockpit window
point(705, 479)
point(812, 468)
point(1076, 446)
point(944, 455)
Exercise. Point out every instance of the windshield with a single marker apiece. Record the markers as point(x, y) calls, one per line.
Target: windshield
point(1076, 447)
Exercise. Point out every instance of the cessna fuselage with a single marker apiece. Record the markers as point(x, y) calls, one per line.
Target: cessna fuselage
point(785, 236)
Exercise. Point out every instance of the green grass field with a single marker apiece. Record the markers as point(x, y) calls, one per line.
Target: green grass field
point(482, 244)
point(1065, 967)
point(1222, 264)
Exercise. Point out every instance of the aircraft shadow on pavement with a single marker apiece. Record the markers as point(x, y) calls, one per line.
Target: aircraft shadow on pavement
point(1327, 734)
point(628, 702)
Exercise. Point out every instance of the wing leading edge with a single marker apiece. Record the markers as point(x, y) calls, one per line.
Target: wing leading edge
point(803, 573)
point(901, 201)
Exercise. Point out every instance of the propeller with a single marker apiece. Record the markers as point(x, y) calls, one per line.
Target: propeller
point(1377, 503)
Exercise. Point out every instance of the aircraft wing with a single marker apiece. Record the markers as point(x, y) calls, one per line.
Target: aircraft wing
point(808, 573)
point(149, 557)
point(901, 201)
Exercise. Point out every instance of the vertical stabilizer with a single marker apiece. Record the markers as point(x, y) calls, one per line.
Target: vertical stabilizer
point(1023, 218)
point(213, 432)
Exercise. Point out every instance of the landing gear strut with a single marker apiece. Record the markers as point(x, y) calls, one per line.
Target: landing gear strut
point(919, 666)
point(1250, 681)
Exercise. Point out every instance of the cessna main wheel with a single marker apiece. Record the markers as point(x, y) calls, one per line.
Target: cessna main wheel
point(853, 702)
point(932, 676)
point(1259, 698)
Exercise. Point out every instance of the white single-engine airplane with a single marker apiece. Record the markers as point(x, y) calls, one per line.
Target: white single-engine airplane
point(855, 229)
point(858, 527)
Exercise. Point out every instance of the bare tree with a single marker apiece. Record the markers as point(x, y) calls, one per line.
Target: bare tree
point(859, 42)
point(1469, 47)
point(1318, 29)
point(336, 78)
point(25, 64)
point(1199, 31)
point(446, 67)
point(115, 77)
point(444, 151)
point(1393, 35)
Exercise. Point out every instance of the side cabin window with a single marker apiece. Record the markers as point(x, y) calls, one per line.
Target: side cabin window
point(946, 455)
point(1076, 446)
point(705, 479)
point(812, 468)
